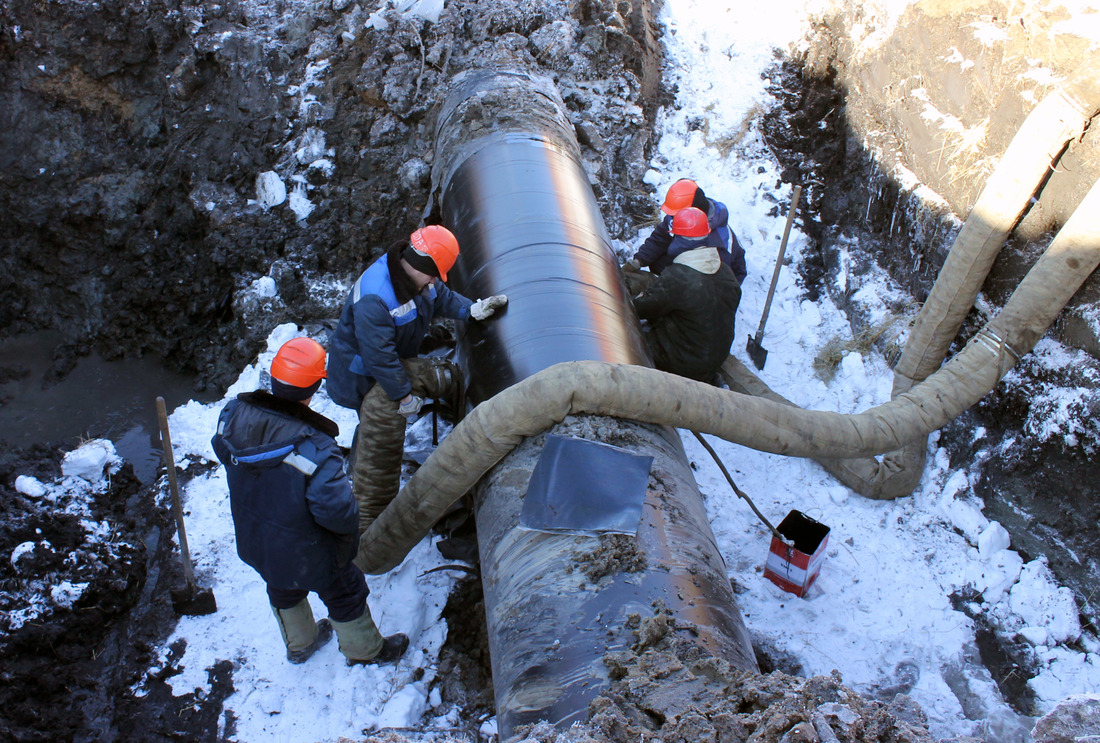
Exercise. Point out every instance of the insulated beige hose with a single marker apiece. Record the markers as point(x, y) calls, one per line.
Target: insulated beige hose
point(1060, 117)
point(535, 404)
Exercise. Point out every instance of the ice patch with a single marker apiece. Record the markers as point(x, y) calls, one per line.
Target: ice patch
point(21, 550)
point(65, 593)
point(265, 287)
point(988, 34)
point(1039, 602)
point(993, 539)
point(30, 486)
point(300, 203)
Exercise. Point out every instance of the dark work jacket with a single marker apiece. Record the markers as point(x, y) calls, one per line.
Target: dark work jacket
point(295, 517)
point(654, 252)
point(691, 319)
point(377, 330)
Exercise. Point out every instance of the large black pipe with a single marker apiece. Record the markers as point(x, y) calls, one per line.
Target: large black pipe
point(514, 192)
point(511, 185)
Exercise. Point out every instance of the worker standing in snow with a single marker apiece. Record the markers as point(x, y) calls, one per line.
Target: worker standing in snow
point(374, 366)
point(294, 514)
point(691, 305)
point(654, 252)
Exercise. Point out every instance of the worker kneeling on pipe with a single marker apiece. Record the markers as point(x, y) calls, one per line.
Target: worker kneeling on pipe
point(691, 306)
point(294, 514)
point(374, 367)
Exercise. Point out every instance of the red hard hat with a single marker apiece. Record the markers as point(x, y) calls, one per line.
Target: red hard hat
point(300, 362)
point(439, 243)
point(680, 196)
point(690, 222)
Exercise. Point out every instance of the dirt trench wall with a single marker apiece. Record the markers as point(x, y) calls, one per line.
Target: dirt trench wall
point(894, 125)
point(132, 136)
point(933, 100)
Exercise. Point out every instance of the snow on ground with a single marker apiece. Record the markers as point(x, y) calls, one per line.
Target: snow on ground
point(880, 612)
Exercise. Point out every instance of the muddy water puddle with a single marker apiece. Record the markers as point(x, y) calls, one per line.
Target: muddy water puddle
point(97, 399)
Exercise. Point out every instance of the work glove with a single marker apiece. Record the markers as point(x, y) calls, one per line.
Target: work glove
point(632, 265)
point(412, 407)
point(484, 308)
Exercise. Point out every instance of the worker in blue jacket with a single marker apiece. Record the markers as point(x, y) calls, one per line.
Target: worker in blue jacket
point(653, 253)
point(374, 368)
point(295, 518)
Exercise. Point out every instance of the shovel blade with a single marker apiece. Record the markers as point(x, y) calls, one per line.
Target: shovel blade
point(193, 601)
point(757, 353)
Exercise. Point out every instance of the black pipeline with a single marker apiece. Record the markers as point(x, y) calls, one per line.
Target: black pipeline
point(511, 186)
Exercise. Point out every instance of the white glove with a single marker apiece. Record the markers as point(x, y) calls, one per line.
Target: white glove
point(484, 308)
point(412, 407)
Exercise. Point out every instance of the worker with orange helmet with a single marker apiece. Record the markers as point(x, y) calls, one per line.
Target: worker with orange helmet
point(374, 367)
point(654, 252)
point(689, 309)
point(295, 517)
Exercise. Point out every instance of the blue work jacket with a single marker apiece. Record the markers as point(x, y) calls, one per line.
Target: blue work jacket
point(295, 518)
point(376, 331)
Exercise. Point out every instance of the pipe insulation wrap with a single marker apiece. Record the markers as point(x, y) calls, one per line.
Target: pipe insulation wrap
point(1023, 168)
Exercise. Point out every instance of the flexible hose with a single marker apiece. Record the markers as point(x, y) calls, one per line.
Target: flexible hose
point(1023, 168)
point(497, 425)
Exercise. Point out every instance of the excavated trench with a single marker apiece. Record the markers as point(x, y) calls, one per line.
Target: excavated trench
point(154, 248)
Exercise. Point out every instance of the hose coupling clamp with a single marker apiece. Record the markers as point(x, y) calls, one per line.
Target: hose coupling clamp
point(995, 343)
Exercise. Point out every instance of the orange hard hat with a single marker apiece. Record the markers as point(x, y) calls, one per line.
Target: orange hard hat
point(690, 222)
point(439, 244)
point(680, 195)
point(300, 362)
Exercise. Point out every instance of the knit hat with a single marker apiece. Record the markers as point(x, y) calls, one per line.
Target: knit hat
point(420, 261)
point(290, 392)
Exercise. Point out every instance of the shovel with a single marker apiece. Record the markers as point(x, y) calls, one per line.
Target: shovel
point(757, 352)
point(191, 600)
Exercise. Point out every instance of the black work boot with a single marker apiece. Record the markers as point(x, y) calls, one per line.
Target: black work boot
point(324, 634)
point(393, 647)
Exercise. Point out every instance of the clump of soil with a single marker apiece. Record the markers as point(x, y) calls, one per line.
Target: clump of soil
point(133, 137)
point(68, 672)
point(666, 688)
point(615, 553)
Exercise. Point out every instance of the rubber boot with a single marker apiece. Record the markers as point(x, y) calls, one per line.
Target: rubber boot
point(360, 641)
point(393, 647)
point(301, 635)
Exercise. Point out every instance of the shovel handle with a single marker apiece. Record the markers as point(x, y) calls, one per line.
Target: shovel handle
point(795, 196)
point(173, 487)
